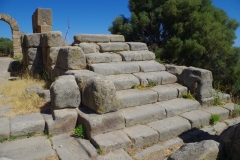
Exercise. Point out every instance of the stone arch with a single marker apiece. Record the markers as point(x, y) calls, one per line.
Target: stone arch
point(17, 35)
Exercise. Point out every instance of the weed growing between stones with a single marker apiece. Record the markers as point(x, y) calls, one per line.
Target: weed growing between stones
point(16, 96)
point(152, 84)
point(188, 95)
point(214, 119)
point(236, 110)
point(217, 99)
point(30, 135)
point(99, 150)
point(79, 131)
point(134, 86)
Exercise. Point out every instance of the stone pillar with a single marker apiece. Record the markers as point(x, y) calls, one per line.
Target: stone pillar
point(42, 20)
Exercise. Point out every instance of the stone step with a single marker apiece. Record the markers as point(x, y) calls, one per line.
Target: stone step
point(222, 112)
point(177, 106)
point(124, 81)
point(136, 97)
point(113, 47)
point(156, 78)
point(144, 55)
point(170, 127)
point(142, 114)
point(93, 58)
point(111, 141)
point(115, 68)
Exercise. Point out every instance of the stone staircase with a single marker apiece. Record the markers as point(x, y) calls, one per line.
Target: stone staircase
point(150, 107)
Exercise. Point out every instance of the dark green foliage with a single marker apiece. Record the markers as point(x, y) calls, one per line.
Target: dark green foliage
point(185, 32)
point(6, 45)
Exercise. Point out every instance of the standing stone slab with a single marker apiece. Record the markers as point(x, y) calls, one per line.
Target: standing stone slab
point(63, 121)
point(98, 124)
point(111, 141)
point(30, 123)
point(4, 128)
point(71, 58)
point(179, 105)
point(222, 112)
point(142, 114)
point(65, 93)
point(170, 127)
point(115, 46)
point(141, 135)
point(124, 81)
point(28, 149)
point(91, 38)
point(71, 148)
point(34, 56)
point(165, 93)
point(207, 150)
point(137, 46)
point(135, 97)
point(197, 118)
point(99, 94)
point(102, 58)
point(81, 77)
point(115, 68)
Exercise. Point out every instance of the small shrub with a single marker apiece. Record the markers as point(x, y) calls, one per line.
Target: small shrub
point(218, 99)
point(79, 131)
point(18, 58)
point(99, 151)
point(30, 134)
point(236, 110)
point(214, 119)
point(188, 95)
point(141, 87)
point(134, 86)
point(152, 84)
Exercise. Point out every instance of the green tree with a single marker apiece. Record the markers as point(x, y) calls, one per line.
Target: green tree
point(6, 45)
point(188, 32)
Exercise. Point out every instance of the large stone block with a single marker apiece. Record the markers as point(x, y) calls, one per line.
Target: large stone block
point(99, 94)
point(63, 121)
point(81, 77)
point(98, 124)
point(35, 69)
point(44, 28)
point(34, 56)
point(4, 128)
point(198, 81)
point(165, 93)
point(115, 46)
point(117, 154)
point(141, 135)
point(52, 55)
point(65, 93)
point(41, 17)
point(170, 127)
point(137, 55)
point(137, 46)
point(116, 38)
point(55, 72)
point(52, 39)
point(88, 47)
point(150, 66)
point(91, 38)
point(176, 70)
point(142, 114)
point(102, 58)
point(71, 58)
point(222, 112)
point(33, 40)
point(30, 123)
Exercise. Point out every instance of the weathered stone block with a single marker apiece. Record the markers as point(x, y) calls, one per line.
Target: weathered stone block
point(222, 112)
point(44, 28)
point(142, 114)
point(181, 89)
point(117, 154)
point(33, 40)
point(165, 93)
point(170, 127)
point(176, 70)
point(91, 38)
point(41, 16)
point(45, 94)
point(5, 128)
point(88, 47)
point(102, 58)
point(65, 93)
point(34, 56)
point(98, 124)
point(137, 46)
point(30, 123)
point(99, 94)
point(141, 135)
point(150, 66)
point(52, 39)
point(63, 121)
point(116, 38)
point(115, 46)
point(52, 55)
point(35, 69)
point(71, 58)
point(111, 141)
point(124, 81)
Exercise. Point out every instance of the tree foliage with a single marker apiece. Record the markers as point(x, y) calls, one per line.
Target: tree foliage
point(184, 32)
point(6, 45)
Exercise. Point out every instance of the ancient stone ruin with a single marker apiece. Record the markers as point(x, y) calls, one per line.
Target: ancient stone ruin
point(116, 89)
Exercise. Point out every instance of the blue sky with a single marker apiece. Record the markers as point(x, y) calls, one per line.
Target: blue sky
point(85, 16)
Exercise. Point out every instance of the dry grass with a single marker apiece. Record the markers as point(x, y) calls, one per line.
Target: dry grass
point(21, 102)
